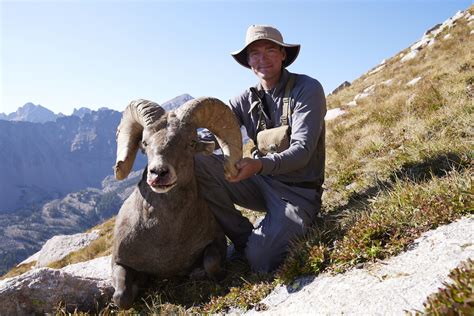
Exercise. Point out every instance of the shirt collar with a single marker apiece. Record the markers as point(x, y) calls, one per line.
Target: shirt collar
point(276, 91)
point(280, 85)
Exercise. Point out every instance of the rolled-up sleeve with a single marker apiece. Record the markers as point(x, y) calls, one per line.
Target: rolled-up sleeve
point(307, 122)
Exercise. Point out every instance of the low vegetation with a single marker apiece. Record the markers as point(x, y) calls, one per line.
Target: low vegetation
point(398, 164)
point(456, 298)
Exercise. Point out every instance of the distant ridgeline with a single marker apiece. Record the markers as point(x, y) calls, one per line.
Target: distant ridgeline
point(56, 175)
point(63, 154)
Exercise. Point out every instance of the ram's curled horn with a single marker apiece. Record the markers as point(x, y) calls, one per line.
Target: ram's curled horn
point(217, 117)
point(137, 115)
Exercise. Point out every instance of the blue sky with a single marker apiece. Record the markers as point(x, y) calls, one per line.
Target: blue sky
point(74, 53)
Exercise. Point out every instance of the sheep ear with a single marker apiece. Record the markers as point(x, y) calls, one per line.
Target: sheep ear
point(205, 147)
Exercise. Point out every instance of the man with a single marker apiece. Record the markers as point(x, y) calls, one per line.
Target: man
point(287, 184)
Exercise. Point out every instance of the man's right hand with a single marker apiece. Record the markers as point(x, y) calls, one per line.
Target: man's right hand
point(247, 167)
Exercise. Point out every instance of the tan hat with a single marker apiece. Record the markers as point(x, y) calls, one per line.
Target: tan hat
point(266, 32)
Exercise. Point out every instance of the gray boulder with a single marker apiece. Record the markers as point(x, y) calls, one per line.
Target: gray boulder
point(83, 286)
point(60, 246)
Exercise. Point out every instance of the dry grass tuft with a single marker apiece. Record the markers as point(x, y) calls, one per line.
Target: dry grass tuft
point(20, 269)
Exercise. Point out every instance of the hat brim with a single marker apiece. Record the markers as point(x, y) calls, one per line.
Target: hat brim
point(292, 51)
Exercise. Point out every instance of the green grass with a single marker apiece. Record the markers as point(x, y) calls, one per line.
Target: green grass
point(381, 226)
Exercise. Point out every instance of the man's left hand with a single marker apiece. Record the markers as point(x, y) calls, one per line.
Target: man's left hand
point(247, 167)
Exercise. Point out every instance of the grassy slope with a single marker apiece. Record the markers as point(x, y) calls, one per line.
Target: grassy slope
point(398, 164)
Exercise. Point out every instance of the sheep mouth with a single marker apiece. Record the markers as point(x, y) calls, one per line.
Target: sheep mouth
point(161, 187)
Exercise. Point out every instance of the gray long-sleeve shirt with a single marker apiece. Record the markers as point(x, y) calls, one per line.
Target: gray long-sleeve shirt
point(304, 160)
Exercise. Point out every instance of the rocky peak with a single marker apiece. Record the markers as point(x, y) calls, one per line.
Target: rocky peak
point(81, 111)
point(32, 113)
point(176, 102)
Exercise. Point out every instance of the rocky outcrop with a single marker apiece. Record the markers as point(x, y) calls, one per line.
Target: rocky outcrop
point(176, 102)
point(414, 81)
point(81, 111)
point(60, 246)
point(333, 113)
point(342, 86)
point(430, 36)
point(85, 286)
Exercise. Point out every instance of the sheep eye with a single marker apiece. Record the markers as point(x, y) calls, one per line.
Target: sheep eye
point(144, 143)
point(192, 144)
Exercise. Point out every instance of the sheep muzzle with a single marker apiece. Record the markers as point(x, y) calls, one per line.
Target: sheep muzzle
point(161, 179)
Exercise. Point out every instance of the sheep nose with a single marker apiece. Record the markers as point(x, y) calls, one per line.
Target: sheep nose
point(160, 172)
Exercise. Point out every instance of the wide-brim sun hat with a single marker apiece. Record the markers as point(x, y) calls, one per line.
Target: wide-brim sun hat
point(266, 32)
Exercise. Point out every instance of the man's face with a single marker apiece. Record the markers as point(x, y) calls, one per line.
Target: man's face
point(266, 58)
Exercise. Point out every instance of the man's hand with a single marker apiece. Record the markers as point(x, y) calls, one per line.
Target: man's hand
point(247, 168)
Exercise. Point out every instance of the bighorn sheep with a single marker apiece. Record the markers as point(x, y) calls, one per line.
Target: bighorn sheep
point(165, 228)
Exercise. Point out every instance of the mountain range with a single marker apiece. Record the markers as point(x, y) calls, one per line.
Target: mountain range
point(36, 113)
point(44, 155)
point(57, 175)
point(31, 113)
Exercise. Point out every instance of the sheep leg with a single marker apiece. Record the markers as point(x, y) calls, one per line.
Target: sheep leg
point(214, 257)
point(125, 284)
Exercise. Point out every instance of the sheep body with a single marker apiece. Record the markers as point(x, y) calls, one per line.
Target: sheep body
point(165, 228)
point(149, 228)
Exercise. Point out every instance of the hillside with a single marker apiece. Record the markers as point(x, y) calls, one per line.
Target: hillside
point(399, 164)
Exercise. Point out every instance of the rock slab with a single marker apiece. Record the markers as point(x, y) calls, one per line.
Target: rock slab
point(86, 286)
point(60, 246)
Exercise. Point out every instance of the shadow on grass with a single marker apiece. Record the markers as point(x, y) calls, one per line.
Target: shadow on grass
point(423, 171)
point(437, 166)
point(182, 294)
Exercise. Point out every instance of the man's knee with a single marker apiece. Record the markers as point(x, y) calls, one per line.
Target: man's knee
point(268, 244)
point(262, 256)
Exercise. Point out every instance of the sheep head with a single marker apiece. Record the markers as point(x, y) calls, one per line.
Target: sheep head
point(170, 141)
